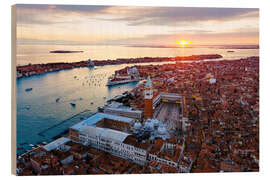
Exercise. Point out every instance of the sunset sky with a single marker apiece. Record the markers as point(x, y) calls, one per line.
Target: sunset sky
point(131, 25)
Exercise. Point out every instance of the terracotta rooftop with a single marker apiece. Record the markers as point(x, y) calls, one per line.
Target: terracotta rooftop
point(132, 140)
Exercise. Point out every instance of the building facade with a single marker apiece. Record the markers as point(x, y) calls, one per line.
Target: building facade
point(124, 112)
point(114, 141)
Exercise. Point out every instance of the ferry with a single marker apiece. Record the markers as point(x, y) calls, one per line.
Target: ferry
point(44, 143)
point(132, 75)
point(100, 109)
point(111, 81)
point(73, 104)
point(28, 89)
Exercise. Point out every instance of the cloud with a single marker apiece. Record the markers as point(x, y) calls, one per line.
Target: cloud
point(172, 16)
point(28, 41)
point(42, 14)
point(133, 15)
point(126, 25)
point(204, 37)
point(67, 8)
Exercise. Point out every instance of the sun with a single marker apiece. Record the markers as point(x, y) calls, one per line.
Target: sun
point(184, 43)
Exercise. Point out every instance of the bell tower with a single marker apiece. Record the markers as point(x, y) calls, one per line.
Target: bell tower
point(148, 99)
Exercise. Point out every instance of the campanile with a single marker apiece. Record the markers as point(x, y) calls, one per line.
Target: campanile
point(148, 99)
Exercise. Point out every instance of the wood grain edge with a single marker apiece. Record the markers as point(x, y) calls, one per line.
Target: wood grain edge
point(13, 89)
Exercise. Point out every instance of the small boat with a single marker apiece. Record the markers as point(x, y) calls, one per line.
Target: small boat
point(24, 143)
point(73, 104)
point(31, 145)
point(100, 109)
point(28, 89)
point(57, 100)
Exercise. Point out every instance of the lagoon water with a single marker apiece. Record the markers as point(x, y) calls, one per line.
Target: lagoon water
point(36, 54)
point(40, 117)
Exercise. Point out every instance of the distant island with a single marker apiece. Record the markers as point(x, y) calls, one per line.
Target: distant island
point(65, 51)
point(35, 69)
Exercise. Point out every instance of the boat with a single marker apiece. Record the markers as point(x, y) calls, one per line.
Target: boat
point(100, 109)
point(112, 82)
point(28, 89)
point(73, 104)
point(132, 75)
point(24, 143)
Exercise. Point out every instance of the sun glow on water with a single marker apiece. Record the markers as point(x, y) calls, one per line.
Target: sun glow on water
point(184, 43)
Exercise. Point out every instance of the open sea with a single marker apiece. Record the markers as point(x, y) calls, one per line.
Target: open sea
point(40, 117)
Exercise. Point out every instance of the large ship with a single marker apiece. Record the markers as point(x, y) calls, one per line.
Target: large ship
point(133, 75)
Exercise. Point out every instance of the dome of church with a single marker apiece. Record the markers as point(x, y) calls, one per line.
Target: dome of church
point(148, 82)
point(137, 125)
point(152, 138)
point(134, 70)
point(149, 125)
point(162, 130)
point(156, 122)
